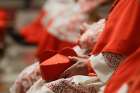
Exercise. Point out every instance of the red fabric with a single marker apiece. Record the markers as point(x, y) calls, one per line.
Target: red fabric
point(49, 53)
point(50, 42)
point(122, 31)
point(46, 55)
point(124, 73)
point(122, 35)
point(134, 83)
point(68, 52)
point(52, 67)
point(3, 18)
point(34, 31)
point(3, 25)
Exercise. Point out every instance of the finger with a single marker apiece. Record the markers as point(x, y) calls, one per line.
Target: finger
point(73, 58)
point(81, 59)
point(39, 83)
point(87, 26)
point(83, 28)
point(62, 75)
point(78, 41)
point(84, 56)
point(65, 74)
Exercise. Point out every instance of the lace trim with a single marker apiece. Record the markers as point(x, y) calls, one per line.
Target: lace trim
point(113, 60)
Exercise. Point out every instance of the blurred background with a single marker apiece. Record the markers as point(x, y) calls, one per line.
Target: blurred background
point(15, 53)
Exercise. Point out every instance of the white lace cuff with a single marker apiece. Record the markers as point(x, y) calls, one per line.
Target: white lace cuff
point(101, 67)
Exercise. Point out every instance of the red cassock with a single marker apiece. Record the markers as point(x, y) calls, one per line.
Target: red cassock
point(36, 33)
point(122, 36)
point(33, 32)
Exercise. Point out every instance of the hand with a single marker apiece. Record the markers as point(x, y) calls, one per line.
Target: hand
point(88, 5)
point(79, 68)
point(90, 36)
point(39, 87)
point(85, 41)
point(26, 79)
point(83, 28)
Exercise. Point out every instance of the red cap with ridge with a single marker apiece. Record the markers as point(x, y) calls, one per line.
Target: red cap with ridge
point(57, 64)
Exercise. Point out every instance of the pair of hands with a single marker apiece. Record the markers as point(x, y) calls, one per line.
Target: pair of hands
point(90, 34)
point(79, 68)
point(88, 38)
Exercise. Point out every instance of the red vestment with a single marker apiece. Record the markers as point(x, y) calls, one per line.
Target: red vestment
point(122, 36)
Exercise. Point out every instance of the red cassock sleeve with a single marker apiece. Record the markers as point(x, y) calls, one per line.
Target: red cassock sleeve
point(122, 31)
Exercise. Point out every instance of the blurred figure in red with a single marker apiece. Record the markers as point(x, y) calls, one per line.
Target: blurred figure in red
point(3, 26)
